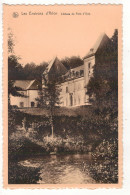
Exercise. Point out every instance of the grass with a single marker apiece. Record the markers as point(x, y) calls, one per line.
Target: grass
point(59, 111)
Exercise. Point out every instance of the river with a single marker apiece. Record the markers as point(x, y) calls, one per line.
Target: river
point(62, 169)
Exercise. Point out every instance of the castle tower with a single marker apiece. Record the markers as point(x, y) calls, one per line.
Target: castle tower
point(90, 58)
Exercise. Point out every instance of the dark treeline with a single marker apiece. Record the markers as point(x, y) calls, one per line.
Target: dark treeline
point(33, 71)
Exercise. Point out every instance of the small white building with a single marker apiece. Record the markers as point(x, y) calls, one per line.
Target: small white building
point(29, 89)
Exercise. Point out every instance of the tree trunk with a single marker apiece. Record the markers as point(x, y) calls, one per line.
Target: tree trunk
point(52, 130)
point(52, 126)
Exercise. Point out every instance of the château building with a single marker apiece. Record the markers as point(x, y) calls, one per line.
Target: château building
point(73, 82)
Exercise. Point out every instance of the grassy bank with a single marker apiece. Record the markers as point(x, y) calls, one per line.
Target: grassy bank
point(59, 111)
point(72, 134)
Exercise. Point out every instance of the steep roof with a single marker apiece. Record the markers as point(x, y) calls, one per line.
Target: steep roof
point(101, 41)
point(56, 68)
point(27, 84)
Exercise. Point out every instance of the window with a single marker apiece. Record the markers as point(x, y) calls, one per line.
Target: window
point(69, 75)
point(67, 90)
point(81, 72)
point(21, 104)
point(73, 73)
point(32, 104)
point(89, 65)
point(22, 93)
point(89, 69)
point(79, 100)
point(71, 99)
point(77, 74)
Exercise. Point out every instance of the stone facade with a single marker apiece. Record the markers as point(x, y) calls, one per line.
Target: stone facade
point(73, 82)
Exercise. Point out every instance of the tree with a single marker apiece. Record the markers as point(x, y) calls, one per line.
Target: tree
point(15, 69)
point(103, 92)
point(103, 86)
point(33, 71)
point(11, 42)
point(72, 62)
point(49, 98)
point(103, 89)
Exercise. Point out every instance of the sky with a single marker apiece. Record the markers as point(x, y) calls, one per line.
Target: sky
point(40, 38)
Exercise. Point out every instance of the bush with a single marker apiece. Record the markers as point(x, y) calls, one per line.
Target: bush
point(22, 175)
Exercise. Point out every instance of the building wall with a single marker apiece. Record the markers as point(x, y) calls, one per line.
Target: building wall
point(33, 94)
point(25, 101)
point(16, 101)
point(88, 68)
point(88, 72)
point(73, 92)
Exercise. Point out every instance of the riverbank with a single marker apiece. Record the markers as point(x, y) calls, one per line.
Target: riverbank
point(60, 169)
point(73, 135)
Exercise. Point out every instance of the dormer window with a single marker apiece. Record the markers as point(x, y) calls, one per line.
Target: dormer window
point(69, 75)
point(81, 72)
point(72, 73)
point(77, 74)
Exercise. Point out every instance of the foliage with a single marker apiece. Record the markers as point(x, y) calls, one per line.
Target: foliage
point(49, 97)
point(29, 72)
point(22, 175)
point(15, 69)
point(103, 93)
point(33, 71)
point(11, 43)
point(72, 62)
point(103, 86)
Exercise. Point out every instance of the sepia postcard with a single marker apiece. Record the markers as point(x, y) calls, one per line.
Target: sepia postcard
point(62, 83)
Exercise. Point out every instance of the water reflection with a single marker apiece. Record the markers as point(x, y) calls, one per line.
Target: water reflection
point(62, 169)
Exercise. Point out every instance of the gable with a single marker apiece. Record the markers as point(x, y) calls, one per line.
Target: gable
point(22, 84)
point(27, 84)
point(34, 85)
point(100, 43)
point(55, 69)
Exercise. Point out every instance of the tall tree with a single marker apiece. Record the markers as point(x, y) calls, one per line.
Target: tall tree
point(103, 86)
point(11, 42)
point(49, 98)
point(15, 70)
point(32, 71)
